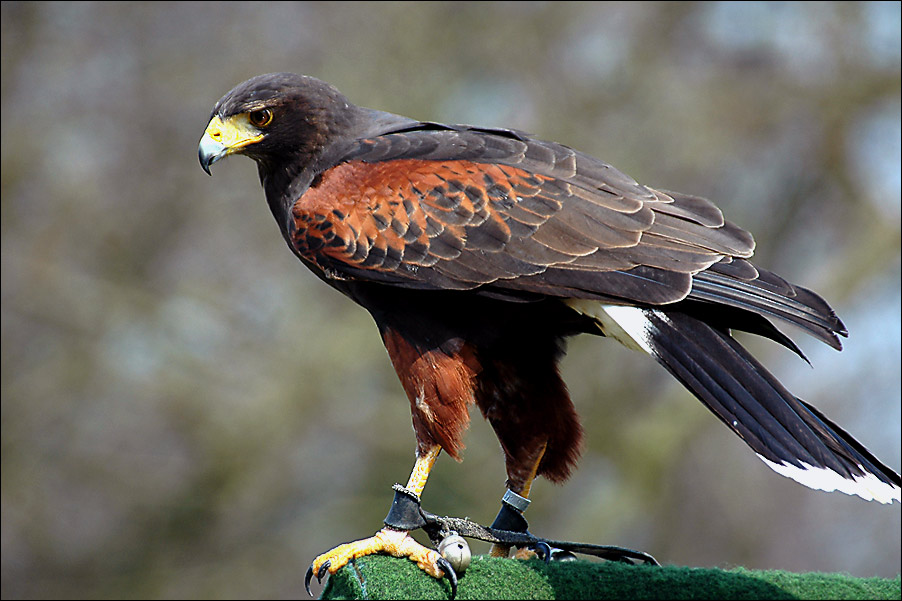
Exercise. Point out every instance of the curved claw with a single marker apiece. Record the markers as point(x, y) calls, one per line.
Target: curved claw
point(307, 580)
point(543, 550)
point(320, 573)
point(450, 574)
point(322, 570)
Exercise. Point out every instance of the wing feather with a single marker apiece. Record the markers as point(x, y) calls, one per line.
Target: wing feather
point(452, 207)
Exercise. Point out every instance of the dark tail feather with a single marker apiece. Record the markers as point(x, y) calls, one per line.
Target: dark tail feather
point(791, 436)
point(766, 293)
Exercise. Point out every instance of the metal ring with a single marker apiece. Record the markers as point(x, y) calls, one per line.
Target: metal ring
point(516, 501)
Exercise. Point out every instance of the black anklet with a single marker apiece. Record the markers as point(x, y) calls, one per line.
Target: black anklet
point(405, 513)
point(510, 517)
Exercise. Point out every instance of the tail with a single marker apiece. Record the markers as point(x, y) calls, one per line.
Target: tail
point(789, 435)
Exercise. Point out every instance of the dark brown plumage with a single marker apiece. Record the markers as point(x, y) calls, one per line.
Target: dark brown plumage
point(479, 251)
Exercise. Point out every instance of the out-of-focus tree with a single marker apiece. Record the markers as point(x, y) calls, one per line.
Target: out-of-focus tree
point(186, 412)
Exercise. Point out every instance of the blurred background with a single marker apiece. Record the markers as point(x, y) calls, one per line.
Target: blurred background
point(188, 413)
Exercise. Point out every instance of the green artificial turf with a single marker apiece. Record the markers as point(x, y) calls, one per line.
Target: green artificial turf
point(381, 577)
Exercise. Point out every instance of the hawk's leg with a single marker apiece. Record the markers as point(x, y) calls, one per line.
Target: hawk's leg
point(392, 540)
point(513, 504)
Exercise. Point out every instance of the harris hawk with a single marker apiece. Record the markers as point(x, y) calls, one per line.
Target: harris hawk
point(479, 251)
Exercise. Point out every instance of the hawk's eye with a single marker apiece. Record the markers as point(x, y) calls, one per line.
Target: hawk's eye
point(260, 118)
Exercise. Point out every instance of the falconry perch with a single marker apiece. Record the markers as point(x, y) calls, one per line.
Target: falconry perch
point(479, 251)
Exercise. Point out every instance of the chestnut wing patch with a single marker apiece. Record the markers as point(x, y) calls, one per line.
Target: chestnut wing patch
point(461, 224)
point(452, 224)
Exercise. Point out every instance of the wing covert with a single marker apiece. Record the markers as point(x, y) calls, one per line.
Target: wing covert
point(464, 208)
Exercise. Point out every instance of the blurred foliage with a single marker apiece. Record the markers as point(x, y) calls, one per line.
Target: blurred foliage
point(186, 412)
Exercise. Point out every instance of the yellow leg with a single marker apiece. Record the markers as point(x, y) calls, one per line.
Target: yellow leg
point(499, 550)
point(417, 481)
point(388, 540)
point(532, 475)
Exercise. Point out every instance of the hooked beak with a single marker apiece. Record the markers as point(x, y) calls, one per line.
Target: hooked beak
point(222, 138)
point(209, 151)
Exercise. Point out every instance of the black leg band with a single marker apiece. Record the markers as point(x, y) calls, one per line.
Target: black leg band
point(405, 513)
point(510, 519)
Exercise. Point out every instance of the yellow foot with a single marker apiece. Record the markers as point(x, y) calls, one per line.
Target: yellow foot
point(499, 550)
point(392, 542)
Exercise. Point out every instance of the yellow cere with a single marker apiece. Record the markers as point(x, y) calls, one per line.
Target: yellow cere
point(233, 133)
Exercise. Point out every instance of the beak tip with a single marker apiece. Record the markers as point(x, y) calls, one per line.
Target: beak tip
point(209, 151)
point(206, 159)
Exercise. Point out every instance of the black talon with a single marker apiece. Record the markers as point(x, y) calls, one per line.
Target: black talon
point(543, 550)
point(450, 574)
point(322, 570)
point(319, 575)
point(307, 579)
